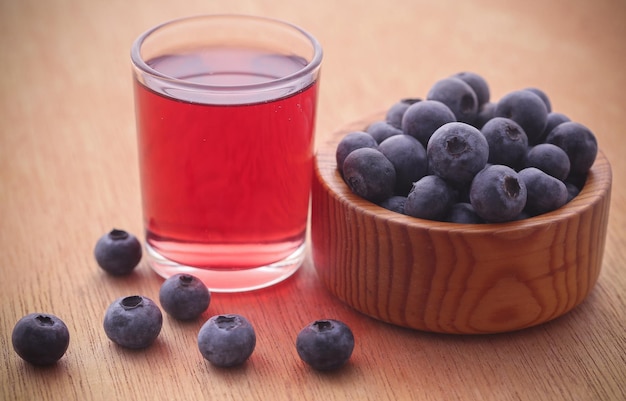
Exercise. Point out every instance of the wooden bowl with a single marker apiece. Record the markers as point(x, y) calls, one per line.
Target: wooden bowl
point(455, 278)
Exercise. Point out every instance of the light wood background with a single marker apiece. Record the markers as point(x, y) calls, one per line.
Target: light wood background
point(68, 174)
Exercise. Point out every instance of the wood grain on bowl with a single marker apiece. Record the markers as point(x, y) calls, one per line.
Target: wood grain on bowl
point(455, 278)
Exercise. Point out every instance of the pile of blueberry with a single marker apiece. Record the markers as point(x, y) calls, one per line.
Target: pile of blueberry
point(135, 321)
point(460, 157)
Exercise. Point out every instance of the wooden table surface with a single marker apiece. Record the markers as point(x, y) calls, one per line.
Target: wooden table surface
point(68, 174)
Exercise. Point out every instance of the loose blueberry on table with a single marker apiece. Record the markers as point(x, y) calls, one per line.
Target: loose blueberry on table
point(118, 252)
point(133, 322)
point(477, 151)
point(40, 338)
point(227, 340)
point(325, 344)
point(184, 297)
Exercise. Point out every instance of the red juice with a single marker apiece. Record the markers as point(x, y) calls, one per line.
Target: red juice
point(225, 185)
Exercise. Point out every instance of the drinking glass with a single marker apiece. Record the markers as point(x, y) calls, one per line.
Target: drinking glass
point(225, 112)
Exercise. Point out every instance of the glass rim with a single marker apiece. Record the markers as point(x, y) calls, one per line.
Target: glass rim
point(308, 69)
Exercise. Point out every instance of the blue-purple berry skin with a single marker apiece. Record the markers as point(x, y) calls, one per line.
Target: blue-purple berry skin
point(478, 83)
point(133, 321)
point(118, 252)
point(508, 143)
point(369, 174)
point(381, 130)
point(40, 338)
point(227, 340)
point(350, 142)
point(472, 178)
point(422, 119)
point(394, 203)
point(396, 111)
point(578, 142)
point(577, 180)
point(527, 109)
point(458, 96)
point(485, 113)
point(543, 96)
point(550, 159)
point(430, 198)
point(408, 157)
point(498, 194)
point(523, 216)
point(572, 191)
point(456, 152)
point(463, 213)
point(325, 344)
point(544, 192)
point(184, 296)
point(554, 119)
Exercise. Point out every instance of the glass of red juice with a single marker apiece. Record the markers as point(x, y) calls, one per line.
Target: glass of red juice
point(225, 112)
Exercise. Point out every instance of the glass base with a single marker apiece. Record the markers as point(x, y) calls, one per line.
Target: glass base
point(231, 280)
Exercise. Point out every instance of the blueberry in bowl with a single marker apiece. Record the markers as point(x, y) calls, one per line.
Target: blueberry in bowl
point(512, 247)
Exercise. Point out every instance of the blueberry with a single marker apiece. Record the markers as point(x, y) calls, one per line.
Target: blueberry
point(408, 157)
point(325, 344)
point(572, 191)
point(578, 180)
point(40, 338)
point(542, 95)
point(485, 113)
point(464, 213)
point(381, 130)
point(545, 193)
point(396, 111)
point(352, 141)
point(507, 141)
point(498, 194)
point(477, 83)
point(430, 198)
point(184, 296)
point(394, 203)
point(554, 119)
point(369, 174)
point(422, 119)
point(527, 109)
point(226, 340)
point(578, 142)
point(456, 152)
point(550, 159)
point(458, 96)
point(523, 216)
point(133, 322)
point(118, 252)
